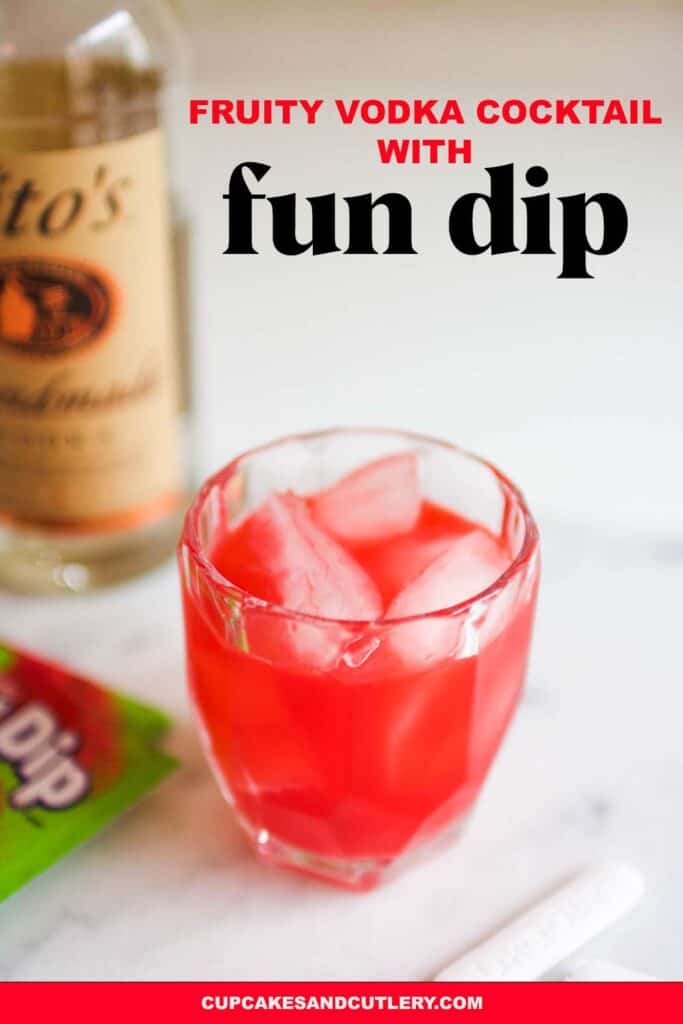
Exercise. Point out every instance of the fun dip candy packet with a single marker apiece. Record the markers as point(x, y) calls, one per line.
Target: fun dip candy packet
point(73, 755)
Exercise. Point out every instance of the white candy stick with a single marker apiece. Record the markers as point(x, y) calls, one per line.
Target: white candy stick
point(553, 929)
point(603, 970)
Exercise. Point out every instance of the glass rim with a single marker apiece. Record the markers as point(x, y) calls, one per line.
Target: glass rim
point(190, 540)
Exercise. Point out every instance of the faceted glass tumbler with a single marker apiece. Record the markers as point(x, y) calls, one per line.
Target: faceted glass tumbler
point(349, 761)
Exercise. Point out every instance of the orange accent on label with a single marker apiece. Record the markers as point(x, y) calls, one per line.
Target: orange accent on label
point(50, 307)
point(141, 516)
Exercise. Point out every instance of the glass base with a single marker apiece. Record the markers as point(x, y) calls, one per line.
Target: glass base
point(38, 562)
point(359, 875)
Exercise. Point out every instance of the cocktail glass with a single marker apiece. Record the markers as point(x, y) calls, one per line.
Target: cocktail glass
point(360, 743)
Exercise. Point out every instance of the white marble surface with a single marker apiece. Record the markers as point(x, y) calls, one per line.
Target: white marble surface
point(590, 770)
point(574, 387)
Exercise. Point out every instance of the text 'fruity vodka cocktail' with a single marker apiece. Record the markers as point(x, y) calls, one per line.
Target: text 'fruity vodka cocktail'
point(358, 609)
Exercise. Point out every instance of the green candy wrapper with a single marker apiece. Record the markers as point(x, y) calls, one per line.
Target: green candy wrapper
point(73, 755)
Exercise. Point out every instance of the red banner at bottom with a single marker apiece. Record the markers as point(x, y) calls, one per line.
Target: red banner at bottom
point(188, 1002)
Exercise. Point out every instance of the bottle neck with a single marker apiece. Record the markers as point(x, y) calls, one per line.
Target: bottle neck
point(75, 102)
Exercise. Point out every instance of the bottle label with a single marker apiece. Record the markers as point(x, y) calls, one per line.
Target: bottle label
point(89, 410)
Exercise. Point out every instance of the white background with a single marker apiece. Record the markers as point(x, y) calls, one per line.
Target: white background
point(573, 386)
point(494, 351)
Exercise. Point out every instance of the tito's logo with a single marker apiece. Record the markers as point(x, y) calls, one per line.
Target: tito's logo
point(51, 307)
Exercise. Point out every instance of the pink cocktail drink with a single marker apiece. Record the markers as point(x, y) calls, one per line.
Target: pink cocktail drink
point(358, 611)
